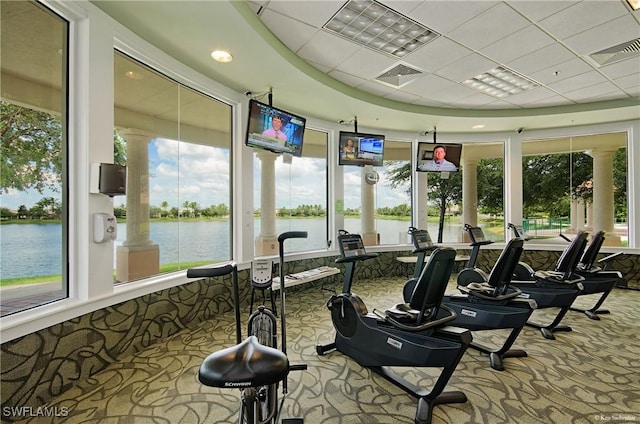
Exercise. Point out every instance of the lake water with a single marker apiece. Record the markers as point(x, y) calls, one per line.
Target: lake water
point(30, 250)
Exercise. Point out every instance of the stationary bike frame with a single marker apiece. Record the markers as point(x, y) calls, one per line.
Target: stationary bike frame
point(259, 405)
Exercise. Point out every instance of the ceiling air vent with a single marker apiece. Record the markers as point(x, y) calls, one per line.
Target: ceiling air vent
point(617, 53)
point(399, 75)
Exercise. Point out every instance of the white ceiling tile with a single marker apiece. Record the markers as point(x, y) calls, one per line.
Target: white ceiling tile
point(366, 63)
point(541, 59)
point(489, 27)
point(348, 79)
point(428, 84)
point(582, 16)
point(609, 34)
point(467, 67)
point(518, 44)
point(377, 88)
point(630, 81)
point(597, 92)
point(561, 71)
point(444, 16)
point(529, 96)
point(630, 66)
point(556, 100)
point(315, 13)
point(577, 82)
point(402, 96)
point(437, 54)
point(540, 9)
point(292, 33)
point(328, 49)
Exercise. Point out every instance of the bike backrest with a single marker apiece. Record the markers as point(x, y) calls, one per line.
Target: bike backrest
point(432, 283)
point(589, 258)
point(502, 272)
point(568, 261)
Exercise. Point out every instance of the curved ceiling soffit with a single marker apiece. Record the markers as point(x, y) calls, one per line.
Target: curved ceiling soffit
point(254, 21)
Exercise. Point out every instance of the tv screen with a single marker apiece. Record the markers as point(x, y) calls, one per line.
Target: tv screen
point(438, 157)
point(274, 129)
point(360, 149)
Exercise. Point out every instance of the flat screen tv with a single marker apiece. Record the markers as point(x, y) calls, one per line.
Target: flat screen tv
point(274, 129)
point(438, 157)
point(360, 149)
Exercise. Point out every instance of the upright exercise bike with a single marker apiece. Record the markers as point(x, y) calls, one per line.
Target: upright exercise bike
point(255, 365)
point(412, 334)
point(486, 303)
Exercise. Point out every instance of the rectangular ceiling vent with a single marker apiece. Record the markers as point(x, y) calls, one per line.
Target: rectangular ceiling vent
point(379, 28)
point(616, 53)
point(399, 75)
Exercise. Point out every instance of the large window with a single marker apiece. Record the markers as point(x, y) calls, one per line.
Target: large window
point(176, 144)
point(33, 246)
point(291, 195)
point(576, 184)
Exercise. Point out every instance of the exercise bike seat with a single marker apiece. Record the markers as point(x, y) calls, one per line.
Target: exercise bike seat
point(248, 364)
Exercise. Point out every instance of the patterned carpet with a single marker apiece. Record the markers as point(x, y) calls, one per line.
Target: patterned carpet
point(588, 375)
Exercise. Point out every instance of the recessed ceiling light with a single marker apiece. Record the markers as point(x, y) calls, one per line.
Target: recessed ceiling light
point(500, 82)
point(221, 56)
point(379, 27)
point(479, 126)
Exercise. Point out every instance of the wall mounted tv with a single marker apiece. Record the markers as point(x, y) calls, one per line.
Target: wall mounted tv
point(360, 149)
point(438, 157)
point(274, 129)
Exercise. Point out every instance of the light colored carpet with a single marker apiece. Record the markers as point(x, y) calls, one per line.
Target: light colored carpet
point(589, 375)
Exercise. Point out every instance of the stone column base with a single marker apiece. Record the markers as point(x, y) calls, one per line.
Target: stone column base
point(612, 239)
point(371, 239)
point(266, 246)
point(136, 262)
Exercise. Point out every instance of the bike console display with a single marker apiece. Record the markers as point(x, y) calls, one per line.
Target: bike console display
point(351, 245)
point(422, 239)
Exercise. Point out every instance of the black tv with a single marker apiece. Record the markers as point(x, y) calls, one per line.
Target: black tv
point(438, 157)
point(274, 129)
point(360, 149)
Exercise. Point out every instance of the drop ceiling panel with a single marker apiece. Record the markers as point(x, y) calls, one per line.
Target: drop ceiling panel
point(444, 16)
point(597, 92)
point(582, 16)
point(603, 36)
point(467, 67)
point(327, 49)
point(561, 71)
point(291, 32)
point(541, 59)
point(494, 24)
point(518, 44)
point(577, 82)
point(437, 54)
point(314, 13)
point(540, 9)
point(366, 63)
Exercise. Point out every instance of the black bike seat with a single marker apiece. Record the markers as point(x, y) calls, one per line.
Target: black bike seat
point(249, 364)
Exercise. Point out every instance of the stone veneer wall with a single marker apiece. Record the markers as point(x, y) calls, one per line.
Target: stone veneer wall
point(39, 366)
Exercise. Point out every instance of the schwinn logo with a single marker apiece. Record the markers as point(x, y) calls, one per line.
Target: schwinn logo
point(239, 384)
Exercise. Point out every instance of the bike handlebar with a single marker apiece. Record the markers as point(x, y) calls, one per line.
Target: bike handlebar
point(292, 234)
point(298, 367)
point(216, 271)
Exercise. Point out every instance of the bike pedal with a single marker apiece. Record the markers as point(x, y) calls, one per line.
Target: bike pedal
point(293, 421)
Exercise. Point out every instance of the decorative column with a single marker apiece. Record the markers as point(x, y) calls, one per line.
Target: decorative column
point(267, 241)
point(580, 211)
point(469, 196)
point(603, 204)
point(138, 257)
point(368, 212)
point(573, 210)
